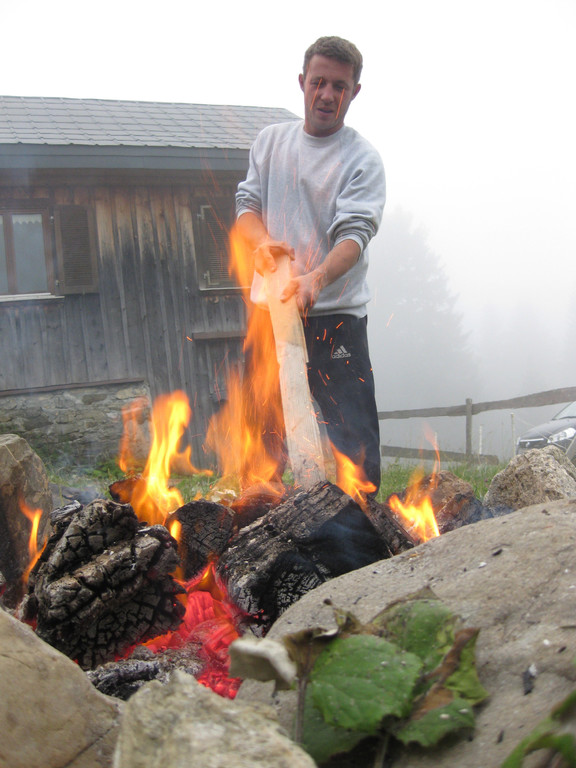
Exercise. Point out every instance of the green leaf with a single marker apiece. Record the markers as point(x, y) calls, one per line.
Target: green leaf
point(548, 735)
point(464, 680)
point(305, 646)
point(421, 624)
point(359, 680)
point(322, 740)
point(436, 723)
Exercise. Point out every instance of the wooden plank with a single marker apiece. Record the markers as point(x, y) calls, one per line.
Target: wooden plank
point(109, 296)
point(212, 335)
point(550, 397)
point(430, 455)
point(152, 292)
point(302, 432)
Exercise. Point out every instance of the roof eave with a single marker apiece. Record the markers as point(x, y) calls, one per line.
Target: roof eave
point(33, 156)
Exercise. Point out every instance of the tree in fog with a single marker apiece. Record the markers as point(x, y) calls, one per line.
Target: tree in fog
point(420, 352)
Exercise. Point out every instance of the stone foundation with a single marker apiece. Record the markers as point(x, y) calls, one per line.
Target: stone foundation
point(81, 425)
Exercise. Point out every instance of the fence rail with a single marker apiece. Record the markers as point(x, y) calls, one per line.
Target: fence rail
point(470, 409)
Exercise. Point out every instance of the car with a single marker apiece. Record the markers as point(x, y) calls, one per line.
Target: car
point(560, 431)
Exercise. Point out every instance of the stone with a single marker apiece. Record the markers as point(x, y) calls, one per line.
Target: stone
point(184, 725)
point(533, 477)
point(513, 577)
point(52, 716)
point(22, 477)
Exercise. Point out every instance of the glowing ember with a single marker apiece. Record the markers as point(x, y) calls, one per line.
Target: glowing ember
point(34, 515)
point(211, 622)
point(416, 510)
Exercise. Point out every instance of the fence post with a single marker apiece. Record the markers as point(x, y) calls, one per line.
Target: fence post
point(468, 427)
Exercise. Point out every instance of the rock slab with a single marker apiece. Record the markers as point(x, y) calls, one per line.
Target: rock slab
point(534, 477)
point(22, 477)
point(514, 577)
point(51, 715)
point(184, 725)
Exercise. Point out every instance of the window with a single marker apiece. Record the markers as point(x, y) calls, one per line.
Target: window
point(24, 247)
point(75, 246)
point(213, 247)
point(27, 266)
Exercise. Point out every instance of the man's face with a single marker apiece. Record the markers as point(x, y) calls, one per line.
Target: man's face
point(328, 90)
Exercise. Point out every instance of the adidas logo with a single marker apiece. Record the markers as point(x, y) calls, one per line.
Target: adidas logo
point(340, 352)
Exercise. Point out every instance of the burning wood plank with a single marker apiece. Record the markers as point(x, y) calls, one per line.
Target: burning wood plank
point(302, 432)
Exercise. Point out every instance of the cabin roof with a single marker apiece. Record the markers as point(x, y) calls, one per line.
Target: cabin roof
point(63, 132)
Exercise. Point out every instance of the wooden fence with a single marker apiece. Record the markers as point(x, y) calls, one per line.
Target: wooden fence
point(469, 409)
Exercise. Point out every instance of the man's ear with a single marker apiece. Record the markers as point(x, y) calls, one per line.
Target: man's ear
point(301, 81)
point(356, 91)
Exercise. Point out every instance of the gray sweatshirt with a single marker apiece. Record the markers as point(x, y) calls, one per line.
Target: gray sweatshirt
point(313, 193)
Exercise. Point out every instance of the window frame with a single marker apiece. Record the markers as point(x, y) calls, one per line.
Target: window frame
point(67, 273)
point(221, 211)
point(8, 209)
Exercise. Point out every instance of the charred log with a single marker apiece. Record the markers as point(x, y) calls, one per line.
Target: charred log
point(123, 678)
point(207, 528)
point(389, 527)
point(123, 490)
point(312, 537)
point(256, 501)
point(103, 583)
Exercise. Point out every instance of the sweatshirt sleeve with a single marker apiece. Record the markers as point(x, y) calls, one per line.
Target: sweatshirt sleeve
point(249, 192)
point(360, 204)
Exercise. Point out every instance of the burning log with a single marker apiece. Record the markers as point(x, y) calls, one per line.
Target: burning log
point(103, 583)
point(312, 537)
point(206, 529)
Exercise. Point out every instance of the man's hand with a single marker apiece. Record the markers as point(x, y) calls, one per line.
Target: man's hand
point(305, 288)
point(266, 253)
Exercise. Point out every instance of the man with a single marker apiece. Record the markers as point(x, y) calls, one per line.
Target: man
point(315, 189)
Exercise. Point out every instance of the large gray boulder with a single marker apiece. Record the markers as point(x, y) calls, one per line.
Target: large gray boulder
point(51, 715)
point(514, 577)
point(534, 477)
point(184, 725)
point(23, 478)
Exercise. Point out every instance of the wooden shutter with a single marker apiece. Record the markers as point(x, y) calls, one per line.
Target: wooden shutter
point(77, 266)
point(214, 256)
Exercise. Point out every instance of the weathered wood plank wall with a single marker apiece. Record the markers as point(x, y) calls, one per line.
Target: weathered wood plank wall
point(149, 319)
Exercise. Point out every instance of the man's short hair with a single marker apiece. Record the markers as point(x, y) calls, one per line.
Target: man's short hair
point(336, 48)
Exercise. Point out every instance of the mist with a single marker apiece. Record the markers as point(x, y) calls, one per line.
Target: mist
point(485, 350)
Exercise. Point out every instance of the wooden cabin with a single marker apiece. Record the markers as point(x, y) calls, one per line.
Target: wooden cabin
point(114, 279)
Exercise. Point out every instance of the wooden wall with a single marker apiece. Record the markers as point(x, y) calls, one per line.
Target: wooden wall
point(148, 318)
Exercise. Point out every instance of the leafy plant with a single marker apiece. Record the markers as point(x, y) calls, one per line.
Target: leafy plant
point(408, 674)
point(549, 734)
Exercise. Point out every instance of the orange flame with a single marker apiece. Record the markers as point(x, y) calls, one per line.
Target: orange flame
point(34, 515)
point(351, 478)
point(416, 510)
point(247, 431)
point(153, 499)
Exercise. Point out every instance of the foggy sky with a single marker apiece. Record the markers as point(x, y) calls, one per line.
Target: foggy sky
point(469, 103)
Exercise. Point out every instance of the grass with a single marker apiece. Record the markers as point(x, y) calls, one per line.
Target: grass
point(395, 477)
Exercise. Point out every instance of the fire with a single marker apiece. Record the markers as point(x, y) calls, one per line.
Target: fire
point(211, 622)
point(239, 433)
point(34, 515)
point(153, 499)
point(351, 478)
point(417, 510)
